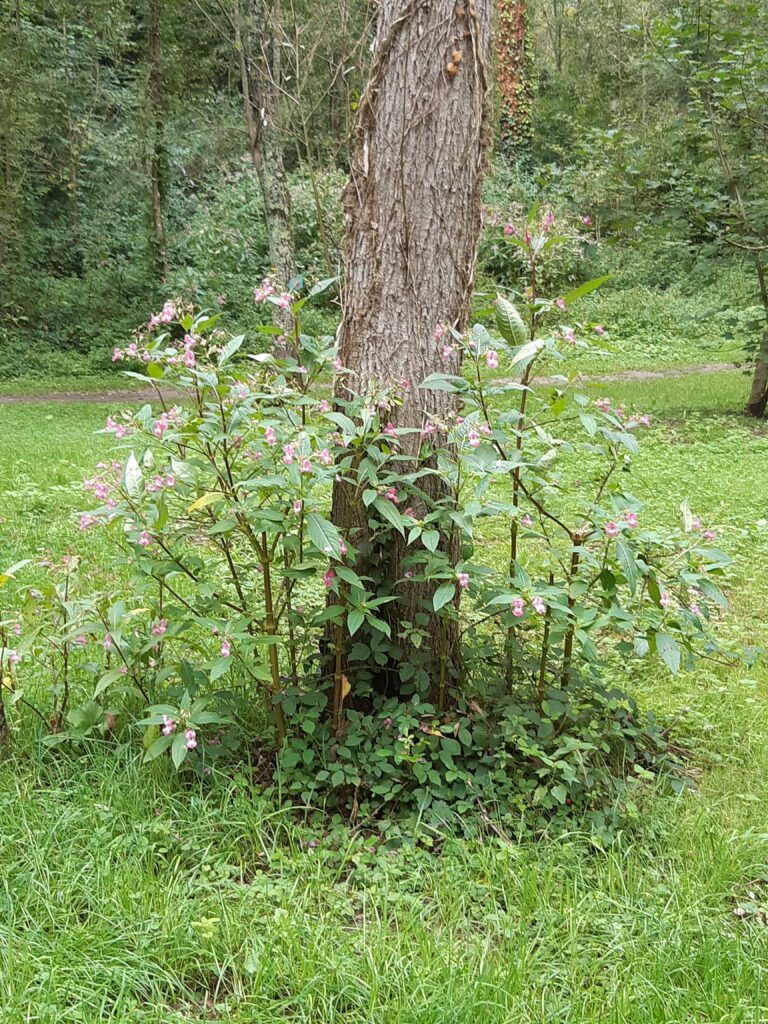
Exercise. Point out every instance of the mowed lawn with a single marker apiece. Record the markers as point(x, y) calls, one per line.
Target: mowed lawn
point(126, 896)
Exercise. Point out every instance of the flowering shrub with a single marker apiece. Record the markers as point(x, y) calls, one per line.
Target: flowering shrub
point(248, 605)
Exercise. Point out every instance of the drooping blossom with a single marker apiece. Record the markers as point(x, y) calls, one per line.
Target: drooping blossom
point(226, 648)
point(539, 606)
point(560, 303)
point(611, 529)
point(169, 726)
point(492, 359)
point(288, 454)
point(306, 465)
point(447, 352)
point(144, 539)
point(328, 577)
point(438, 332)
point(463, 579)
point(391, 495)
point(526, 520)
point(569, 335)
point(665, 600)
point(325, 457)
point(518, 607)
point(191, 737)
point(631, 519)
point(599, 329)
point(160, 627)
point(474, 439)
point(298, 506)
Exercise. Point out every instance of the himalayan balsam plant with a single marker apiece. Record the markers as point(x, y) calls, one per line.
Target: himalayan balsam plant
point(244, 610)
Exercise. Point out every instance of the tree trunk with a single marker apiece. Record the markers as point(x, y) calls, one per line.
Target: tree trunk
point(513, 76)
point(260, 82)
point(154, 54)
point(758, 396)
point(412, 219)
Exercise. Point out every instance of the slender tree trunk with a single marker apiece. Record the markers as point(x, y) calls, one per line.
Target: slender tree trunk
point(758, 396)
point(260, 83)
point(513, 75)
point(412, 219)
point(155, 59)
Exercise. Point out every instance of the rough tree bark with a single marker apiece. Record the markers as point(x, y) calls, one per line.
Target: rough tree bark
point(758, 395)
point(261, 84)
point(154, 59)
point(412, 217)
point(513, 75)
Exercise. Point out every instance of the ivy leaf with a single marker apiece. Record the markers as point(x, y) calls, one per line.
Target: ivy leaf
point(443, 595)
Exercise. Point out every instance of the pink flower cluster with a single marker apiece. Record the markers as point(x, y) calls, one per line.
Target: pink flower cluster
point(120, 430)
point(160, 482)
point(696, 526)
point(166, 421)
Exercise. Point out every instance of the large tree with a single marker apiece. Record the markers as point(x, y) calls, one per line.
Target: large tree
point(412, 219)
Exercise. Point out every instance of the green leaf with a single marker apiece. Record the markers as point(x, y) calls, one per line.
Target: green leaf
point(230, 348)
point(355, 619)
point(509, 322)
point(390, 513)
point(179, 749)
point(669, 652)
point(584, 289)
point(443, 595)
point(106, 680)
point(628, 564)
point(431, 539)
point(324, 535)
point(205, 499)
point(134, 479)
point(159, 746)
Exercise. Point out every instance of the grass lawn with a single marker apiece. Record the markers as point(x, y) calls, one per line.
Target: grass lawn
point(127, 896)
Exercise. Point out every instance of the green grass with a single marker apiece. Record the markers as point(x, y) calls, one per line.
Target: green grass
point(128, 896)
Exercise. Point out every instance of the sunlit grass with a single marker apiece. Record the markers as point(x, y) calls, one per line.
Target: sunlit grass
point(127, 896)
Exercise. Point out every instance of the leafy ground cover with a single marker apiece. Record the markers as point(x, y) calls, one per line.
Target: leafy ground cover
point(135, 897)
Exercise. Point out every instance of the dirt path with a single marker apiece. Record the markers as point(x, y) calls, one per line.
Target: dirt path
point(135, 395)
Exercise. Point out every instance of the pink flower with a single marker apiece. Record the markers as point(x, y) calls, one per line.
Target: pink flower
point(569, 335)
point(438, 332)
point(611, 529)
point(325, 457)
point(324, 406)
point(17, 629)
point(463, 579)
point(297, 507)
point(168, 313)
point(549, 220)
point(696, 523)
point(509, 228)
point(169, 726)
point(539, 606)
point(306, 466)
point(328, 577)
point(603, 404)
point(191, 737)
point(108, 643)
point(587, 222)
point(492, 359)
point(81, 640)
point(337, 364)
point(694, 609)
point(390, 430)
point(631, 518)
point(144, 539)
point(226, 648)
point(270, 436)
point(391, 494)
point(665, 600)
point(708, 535)
point(474, 439)
point(560, 303)
point(409, 512)
point(160, 627)
point(645, 421)
point(408, 574)
point(527, 237)
point(189, 358)
point(599, 329)
point(518, 607)
point(447, 351)
point(288, 453)
point(87, 520)
point(13, 657)
point(284, 301)
point(343, 549)
point(117, 355)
